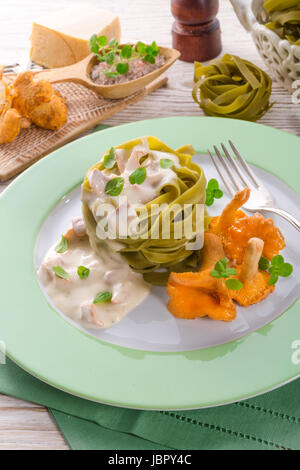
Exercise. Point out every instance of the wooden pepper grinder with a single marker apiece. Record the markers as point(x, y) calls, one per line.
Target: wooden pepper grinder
point(196, 31)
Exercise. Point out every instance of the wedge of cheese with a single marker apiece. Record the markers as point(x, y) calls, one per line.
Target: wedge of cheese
point(63, 38)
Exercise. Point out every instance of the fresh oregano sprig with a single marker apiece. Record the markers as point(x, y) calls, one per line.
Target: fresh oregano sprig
point(118, 57)
point(221, 271)
point(276, 268)
point(110, 159)
point(213, 192)
point(63, 245)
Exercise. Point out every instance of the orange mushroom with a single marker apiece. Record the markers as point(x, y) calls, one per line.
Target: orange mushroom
point(230, 214)
point(194, 295)
point(256, 285)
point(236, 228)
point(11, 121)
point(246, 228)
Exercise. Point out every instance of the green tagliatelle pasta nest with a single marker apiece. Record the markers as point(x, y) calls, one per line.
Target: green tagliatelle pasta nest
point(232, 87)
point(284, 19)
point(147, 256)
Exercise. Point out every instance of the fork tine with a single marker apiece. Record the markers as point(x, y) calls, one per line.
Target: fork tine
point(223, 162)
point(232, 161)
point(245, 165)
point(225, 182)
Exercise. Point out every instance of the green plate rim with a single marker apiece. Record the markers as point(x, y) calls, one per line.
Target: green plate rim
point(51, 349)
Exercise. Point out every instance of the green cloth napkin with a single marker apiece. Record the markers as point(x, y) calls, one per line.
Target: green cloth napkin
point(270, 421)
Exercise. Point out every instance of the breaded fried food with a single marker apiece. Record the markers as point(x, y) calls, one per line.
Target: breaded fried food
point(39, 102)
point(10, 125)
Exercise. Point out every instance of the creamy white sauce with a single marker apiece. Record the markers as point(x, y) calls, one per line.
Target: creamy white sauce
point(133, 196)
point(108, 273)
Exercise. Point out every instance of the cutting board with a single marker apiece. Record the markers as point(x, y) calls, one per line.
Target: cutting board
point(86, 110)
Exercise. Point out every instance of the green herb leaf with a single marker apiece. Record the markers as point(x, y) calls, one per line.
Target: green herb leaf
point(62, 246)
point(218, 193)
point(102, 41)
point(117, 57)
point(94, 48)
point(110, 58)
point(101, 58)
point(224, 274)
point(114, 187)
point(215, 273)
point(212, 192)
point(276, 268)
point(149, 58)
point(264, 264)
point(122, 68)
point(234, 284)
point(155, 48)
point(209, 201)
point(112, 42)
point(221, 265)
point(278, 260)
point(126, 51)
point(166, 163)
point(213, 184)
point(60, 272)
point(231, 272)
point(286, 270)
point(273, 279)
point(93, 39)
point(111, 74)
point(110, 159)
point(141, 47)
point(138, 176)
point(83, 272)
point(102, 297)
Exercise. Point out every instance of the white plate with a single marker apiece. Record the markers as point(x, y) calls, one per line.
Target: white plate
point(150, 326)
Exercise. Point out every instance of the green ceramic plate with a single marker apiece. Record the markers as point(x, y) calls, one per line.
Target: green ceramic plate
point(43, 343)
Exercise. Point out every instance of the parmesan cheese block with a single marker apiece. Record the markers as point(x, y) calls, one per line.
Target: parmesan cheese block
point(63, 38)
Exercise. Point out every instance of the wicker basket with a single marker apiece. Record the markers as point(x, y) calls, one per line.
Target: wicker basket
point(281, 57)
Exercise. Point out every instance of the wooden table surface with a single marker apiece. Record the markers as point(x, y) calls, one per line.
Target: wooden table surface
point(24, 425)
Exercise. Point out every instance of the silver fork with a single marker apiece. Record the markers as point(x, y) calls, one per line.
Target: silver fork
point(236, 174)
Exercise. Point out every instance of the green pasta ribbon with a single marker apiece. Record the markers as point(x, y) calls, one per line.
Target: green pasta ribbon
point(232, 87)
point(284, 19)
point(156, 257)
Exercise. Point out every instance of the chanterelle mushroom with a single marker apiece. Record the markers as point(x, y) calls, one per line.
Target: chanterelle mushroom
point(236, 228)
point(194, 295)
point(256, 285)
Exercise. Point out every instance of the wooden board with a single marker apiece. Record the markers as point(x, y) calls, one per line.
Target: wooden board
point(86, 109)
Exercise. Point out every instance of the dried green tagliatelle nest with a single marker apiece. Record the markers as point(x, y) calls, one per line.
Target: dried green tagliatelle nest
point(284, 19)
point(232, 87)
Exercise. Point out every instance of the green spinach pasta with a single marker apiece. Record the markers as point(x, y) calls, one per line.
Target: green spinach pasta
point(284, 19)
point(232, 87)
point(157, 184)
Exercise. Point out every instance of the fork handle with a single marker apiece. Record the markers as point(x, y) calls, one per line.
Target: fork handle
point(290, 218)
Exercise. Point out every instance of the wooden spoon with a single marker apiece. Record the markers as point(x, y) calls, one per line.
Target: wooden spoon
point(80, 73)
